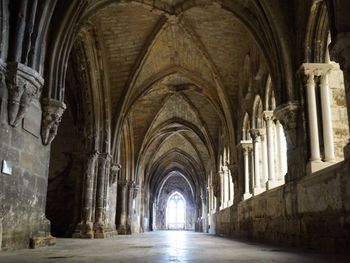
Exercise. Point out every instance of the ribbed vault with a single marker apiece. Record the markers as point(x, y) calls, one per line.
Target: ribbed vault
point(174, 75)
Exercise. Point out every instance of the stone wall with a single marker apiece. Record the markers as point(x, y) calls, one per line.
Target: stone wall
point(23, 193)
point(313, 212)
point(339, 112)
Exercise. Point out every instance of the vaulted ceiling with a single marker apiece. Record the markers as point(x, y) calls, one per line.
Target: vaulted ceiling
point(174, 79)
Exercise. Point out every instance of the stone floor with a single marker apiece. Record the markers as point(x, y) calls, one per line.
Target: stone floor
point(165, 246)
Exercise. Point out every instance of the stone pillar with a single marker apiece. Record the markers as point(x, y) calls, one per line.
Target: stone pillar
point(123, 228)
point(256, 136)
point(99, 225)
point(288, 115)
point(222, 189)
point(272, 182)
point(312, 116)
point(265, 171)
point(246, 148)
point(84, 229)
point(340, 52)
point(321, 70)
point(226, 185)
point(204, 211)
point(133, 191)
point(281, 154)
point(327, 118)
point(232, 187)
point(102, 161)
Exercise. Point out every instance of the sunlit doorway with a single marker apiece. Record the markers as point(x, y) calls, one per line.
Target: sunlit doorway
point(176, 212)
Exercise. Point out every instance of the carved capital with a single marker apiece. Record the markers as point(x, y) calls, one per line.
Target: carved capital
point(255, 134)
point(339, 50)
point(52, 114)
point(287, 114)
point(123, 183)
point(24, 84)
point(315, 69)
point(268, 116)
point(114, 173)
point(246, 146)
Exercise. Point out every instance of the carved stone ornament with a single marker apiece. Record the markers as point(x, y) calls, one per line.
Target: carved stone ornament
point(24, 84)
point(114, 173)
point(52, 114)
point(287, 114)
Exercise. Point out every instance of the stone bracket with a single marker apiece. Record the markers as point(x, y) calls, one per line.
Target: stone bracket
point(52, 114)
point(24, 84)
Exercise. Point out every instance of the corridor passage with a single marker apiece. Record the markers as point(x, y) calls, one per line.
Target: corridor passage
point(163, 246)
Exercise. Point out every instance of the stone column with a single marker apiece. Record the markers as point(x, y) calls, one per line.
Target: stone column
point(99, 225)
point(133, 191)
point(311, 70)
point(256, 136)
point(123, 228)
point(272, 182)
point(281, 154)
point(246, 148)
point(102, 160)
point(288, 115)
point(327, 118)
point(222, 186)
point(312, 116)
point(85, 228)
point(226, 185)
point(340, 52)
point(232, 187)
point(265, 171)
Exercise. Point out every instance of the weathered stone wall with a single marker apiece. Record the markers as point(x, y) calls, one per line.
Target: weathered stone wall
point(313, 212)
point(23, 193)
point(339, 112)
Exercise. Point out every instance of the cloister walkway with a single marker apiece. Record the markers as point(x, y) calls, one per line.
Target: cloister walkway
point(161, 247)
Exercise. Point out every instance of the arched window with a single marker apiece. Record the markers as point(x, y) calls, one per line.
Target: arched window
point(176, 212)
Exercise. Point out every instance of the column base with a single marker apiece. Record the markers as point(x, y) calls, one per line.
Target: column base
point(270, 184)
point(42, 239)
point(84, 230)
point(247, 196)
point(314, 166)
point(257, 190)
point(102, 231)
point(124, 230)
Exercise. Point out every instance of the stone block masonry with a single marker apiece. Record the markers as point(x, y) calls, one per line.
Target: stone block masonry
point(23, 193)
point(313, 212)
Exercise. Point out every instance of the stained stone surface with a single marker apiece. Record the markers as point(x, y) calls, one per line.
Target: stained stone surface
point(164, 246)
